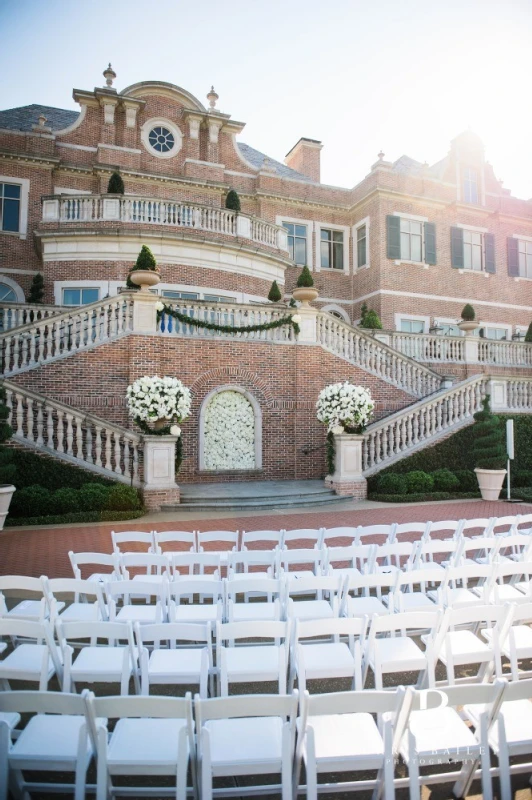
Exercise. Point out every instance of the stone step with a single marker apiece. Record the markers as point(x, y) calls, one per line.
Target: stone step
point(263, 503)
point(195, 499)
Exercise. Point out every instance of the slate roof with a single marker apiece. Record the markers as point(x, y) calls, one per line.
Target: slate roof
point(256, 158)
point(22, 118)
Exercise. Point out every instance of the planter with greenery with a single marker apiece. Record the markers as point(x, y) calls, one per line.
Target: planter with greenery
point(305, 291)
point(145, 273)
point(489, 452)
point(232, 201)
point(7, 468)
point(116, 184)
point(274, 295)
point(468, 323)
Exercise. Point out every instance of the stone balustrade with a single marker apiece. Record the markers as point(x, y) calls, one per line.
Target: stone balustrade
point(68, 209)
point(12, 315)
point(75, 329)
point(228, 314)
point(431, 348)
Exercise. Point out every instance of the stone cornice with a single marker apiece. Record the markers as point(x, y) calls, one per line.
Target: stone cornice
point(43, 162)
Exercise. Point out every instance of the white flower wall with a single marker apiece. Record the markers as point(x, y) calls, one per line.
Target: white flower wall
point(229, 432)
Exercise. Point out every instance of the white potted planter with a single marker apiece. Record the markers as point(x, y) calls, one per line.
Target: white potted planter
point(304, 294)
point(6, 493)
point(145, 278)
point(490, 482)
point(468, 326)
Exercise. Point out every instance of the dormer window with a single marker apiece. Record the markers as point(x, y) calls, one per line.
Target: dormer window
point(470, 186)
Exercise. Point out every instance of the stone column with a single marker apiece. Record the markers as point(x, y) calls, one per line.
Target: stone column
point(144, 312)
point(498, 391)
point(348, 478)
point(159, 485)
point(308, 325)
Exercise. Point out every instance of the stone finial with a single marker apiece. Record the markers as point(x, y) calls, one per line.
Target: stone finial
point(212, 97)
point(380, 155)
point(42, 120)
point(109, 74)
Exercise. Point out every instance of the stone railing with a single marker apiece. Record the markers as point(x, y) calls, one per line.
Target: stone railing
point(66, 209)
point(230, 314)
point(68, 332)
point(421, 424)
point(431, 348)
point(361, 349)
point(71, 435)
point(14, 314)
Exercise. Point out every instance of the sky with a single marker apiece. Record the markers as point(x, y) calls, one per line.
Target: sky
point(404, 76)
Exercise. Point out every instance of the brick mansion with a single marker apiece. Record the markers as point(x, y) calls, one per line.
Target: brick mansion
point(412, 241)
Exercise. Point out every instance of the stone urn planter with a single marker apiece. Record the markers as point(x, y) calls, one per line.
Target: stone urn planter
point(468, 326)
point(6, 493)
point(305, 294)
point(490, 482)
point(145, 278)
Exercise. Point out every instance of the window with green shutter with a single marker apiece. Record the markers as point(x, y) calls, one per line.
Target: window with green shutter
point(393, 237)
point(489, 251)
point(430, 243)
point(513, 256)
point(457, 248)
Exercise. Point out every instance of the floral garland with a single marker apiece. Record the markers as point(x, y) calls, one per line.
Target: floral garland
point(292, 320)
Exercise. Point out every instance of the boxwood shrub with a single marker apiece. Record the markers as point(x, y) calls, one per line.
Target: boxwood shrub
point(445, 481)
point(419, 482)
point(392, 484)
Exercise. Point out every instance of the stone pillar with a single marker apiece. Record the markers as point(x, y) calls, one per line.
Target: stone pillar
point(243, 226)
point(212, 147)
point(471, 349)
point(159, 472)
point(382, 337)
point(348, 478)
point(498, 391)
point(144, 312)
point(308, 325)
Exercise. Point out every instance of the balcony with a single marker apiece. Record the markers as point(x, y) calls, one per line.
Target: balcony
point(83, 211)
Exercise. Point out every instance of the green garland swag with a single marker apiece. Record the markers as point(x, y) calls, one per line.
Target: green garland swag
point(330, 452)
point(145, 428)
point(212, 326)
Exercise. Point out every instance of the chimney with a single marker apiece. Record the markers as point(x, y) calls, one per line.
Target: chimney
point(304, 157)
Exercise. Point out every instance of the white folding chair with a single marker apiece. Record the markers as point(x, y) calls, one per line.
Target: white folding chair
point(192, 566)
point(387, 653)
point(319, 607)
point(406, 598)
point(271, 538)
point(343, 532)
point(184, 589)
point(457, 643)
point(121, 594)
point(309, 561)
point(246, 735)
point(516, 639)
point(317, 651)
point(186, 658)
point(302, 535)
point(337, 733)
point(432, 553)
point(351, 560)
point(515, 546)
point(152, 736)
point(456, 590)
point(497, 591)
point(476, 550)
point(392, 556)
point(416, 531)
point(31, 609)
point(88, 661)
point(271, 608)
point(432, 731)
point(230, 539)
point(111, 561)
point(171, 538)
point(122, 538)
point(144, 566)
point(524, 523)
point(253, 661)
point(385, 533)
point(451, 527)
point(503, 526)
point(479, 527)
point(263, 564)
point(55, 739)
point(35, 659)
point(368, 604)
point(88, 601)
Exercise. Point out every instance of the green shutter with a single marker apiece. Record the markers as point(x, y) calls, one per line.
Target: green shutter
point(393, 230)
point(513, 257)
point(457, 248)
point(430, 243)
point(489, 249)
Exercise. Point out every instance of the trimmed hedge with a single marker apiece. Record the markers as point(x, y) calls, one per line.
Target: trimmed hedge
point(50, 473)
point(81, 516)
point(420, 497)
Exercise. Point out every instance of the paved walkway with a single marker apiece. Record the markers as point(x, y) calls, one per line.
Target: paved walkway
point(44, 550)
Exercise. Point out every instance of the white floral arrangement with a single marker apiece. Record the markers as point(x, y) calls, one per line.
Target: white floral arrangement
point(153, 398)
point(229, 432)
point(344, 406)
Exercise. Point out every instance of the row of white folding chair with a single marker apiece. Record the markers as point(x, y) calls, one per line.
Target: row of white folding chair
point(256, 734)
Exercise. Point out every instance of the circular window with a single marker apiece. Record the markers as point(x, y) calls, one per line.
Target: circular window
point(161, 139)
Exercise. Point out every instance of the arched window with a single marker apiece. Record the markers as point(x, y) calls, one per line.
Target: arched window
point(337, 311)
point(7, 294)
point(230, 430)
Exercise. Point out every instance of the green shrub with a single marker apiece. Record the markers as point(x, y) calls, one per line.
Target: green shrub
point(522, 477)
point(93, 496)
point(445, 481)
point(232, 201)
point(369, 319)
point(79, 516)
point(524, 494)
point(116, 184)
point(392, 483)
point(467, 480)
point(65, 501)
point(274, 295)
point(528, 334)
point(122, 498)
point(488, 446)
point(50, 472)
point(36, 293)
point(33, 501)
point(418, 482)
point(146, 259)
point(8, 470)
point(305, 279)
point(468, 313)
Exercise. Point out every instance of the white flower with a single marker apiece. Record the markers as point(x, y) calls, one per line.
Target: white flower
point(175, 430)
point(159, 306)
point(158, 398)
point(296, 318)
point(337, 429)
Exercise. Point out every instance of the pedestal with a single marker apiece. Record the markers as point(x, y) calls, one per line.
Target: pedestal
point(144, 312)
point(348, 478)
point(159, 472)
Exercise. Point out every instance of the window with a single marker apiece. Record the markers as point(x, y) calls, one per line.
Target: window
point(411, 240)
point(492, 332)
point(449, 329)
point(470, 186)
point(297, 242)
point(412, 326)
point(7, 294)
point(473, 251)
point(525, 259)
point(362, 246)
point(179, 295)
point(161, 139)
point(10, 207)
point(218, 298)
point(332, 249)
point(80, 297)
